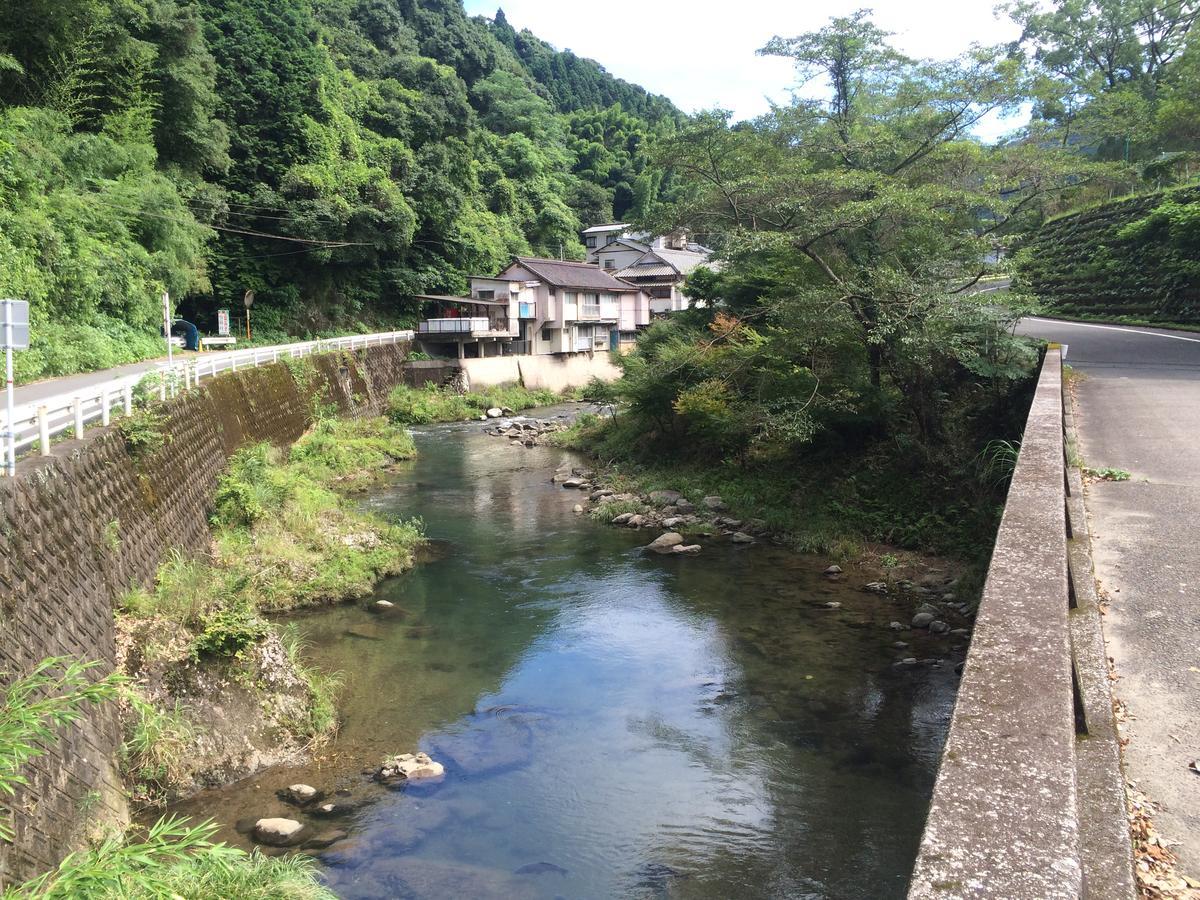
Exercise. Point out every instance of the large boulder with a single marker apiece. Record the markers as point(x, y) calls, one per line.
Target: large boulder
point(278, 832)
point(495, 412)
point(664, 498)
point(665, 542)
point(715, 503)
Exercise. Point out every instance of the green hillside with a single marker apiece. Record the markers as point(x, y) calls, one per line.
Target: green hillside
point(1137, 258)
point(335, 156)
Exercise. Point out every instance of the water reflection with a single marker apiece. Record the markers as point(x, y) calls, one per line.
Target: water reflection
point(613, 723)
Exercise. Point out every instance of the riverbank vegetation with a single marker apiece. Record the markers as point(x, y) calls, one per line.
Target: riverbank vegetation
point(839, 378)
point(173, 858)
point(197, 643)
point(422, 406)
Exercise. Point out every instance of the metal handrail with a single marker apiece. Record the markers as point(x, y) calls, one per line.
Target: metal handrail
point(39, 421)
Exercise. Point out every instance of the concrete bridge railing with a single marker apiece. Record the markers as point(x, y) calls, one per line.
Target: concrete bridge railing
point(1029, 800)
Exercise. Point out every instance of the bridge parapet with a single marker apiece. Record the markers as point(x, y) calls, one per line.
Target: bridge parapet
point(1029, 801)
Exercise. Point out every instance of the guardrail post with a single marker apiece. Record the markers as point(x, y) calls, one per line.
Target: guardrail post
point(44, 430)
point(77, 408)
point(274, 356)
point(162, 386)
point(187, 377)
point(129, 399)
point(105, 399)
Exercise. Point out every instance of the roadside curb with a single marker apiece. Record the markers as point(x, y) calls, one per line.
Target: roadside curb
point(1106, 848)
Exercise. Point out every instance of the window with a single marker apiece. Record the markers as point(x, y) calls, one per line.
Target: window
point(591, 307)
point(545, 335)
point(486, 295)
point(590, 240)
point(610, 264)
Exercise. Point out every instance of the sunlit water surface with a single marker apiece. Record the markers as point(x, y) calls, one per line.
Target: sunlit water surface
point(613, 723)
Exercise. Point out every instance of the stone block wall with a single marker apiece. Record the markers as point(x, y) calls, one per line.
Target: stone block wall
point(81, 527)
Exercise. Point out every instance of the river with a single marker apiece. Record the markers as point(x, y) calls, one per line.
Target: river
point(613, 723)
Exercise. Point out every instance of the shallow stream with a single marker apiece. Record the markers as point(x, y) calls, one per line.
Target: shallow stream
point(613, 723)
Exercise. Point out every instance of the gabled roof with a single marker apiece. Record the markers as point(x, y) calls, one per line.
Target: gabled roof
point(560, 273)
point(611, 226)
point(662, 262)
point(627, 243)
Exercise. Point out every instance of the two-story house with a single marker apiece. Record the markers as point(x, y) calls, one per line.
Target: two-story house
point(537, 306)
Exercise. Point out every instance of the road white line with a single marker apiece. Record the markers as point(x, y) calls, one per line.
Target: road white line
point(1121, 328)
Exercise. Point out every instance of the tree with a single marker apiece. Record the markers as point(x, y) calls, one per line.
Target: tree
point(859, 224)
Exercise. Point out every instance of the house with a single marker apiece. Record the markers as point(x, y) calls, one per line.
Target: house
point(658, 265)
point(661, 271)
point(600, 236)
point(538, 307)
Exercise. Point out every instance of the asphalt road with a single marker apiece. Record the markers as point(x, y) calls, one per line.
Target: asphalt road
point(54, 387)
point(1138, 409)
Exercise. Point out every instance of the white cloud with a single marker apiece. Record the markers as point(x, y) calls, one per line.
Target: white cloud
point(701, 53)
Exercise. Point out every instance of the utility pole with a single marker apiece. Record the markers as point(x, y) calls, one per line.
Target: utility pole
point(166, 299)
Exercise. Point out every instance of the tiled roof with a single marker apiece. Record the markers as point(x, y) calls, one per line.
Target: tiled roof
point(571, 274)
point(660, 270)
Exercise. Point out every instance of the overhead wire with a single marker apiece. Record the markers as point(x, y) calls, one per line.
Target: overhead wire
point(316, 243)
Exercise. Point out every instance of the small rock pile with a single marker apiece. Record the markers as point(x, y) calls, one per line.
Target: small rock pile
point(284, 832)
point(526, 432)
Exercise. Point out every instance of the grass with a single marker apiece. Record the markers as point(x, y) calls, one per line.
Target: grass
point(36, 706)
point(322, 722)
point(157, 744)
point(607, 510)
point(173, 859)
point(423, 406)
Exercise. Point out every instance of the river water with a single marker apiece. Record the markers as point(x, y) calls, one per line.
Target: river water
point(613, 723)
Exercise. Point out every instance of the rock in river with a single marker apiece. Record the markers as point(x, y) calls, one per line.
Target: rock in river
point(922, 620)
point(833, 570)
point(495, 412)
point(690, 549)
point(299, 794)
point(409, 767)
point(740, 537)
point(665, 542)
point(278, 832)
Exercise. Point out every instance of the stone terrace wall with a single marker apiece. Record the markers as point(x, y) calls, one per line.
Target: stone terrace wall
point(81, 527)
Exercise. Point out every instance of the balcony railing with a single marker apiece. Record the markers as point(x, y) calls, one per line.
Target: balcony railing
point(452, 326)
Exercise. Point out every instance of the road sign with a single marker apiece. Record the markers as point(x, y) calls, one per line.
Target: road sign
point(14, 335)
point(14, 314)
point(248, 299)
point(223, 322)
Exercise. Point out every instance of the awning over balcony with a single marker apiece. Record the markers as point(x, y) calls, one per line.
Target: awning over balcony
point(443, 298)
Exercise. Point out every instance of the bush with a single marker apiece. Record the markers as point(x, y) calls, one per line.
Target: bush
point(229, 630)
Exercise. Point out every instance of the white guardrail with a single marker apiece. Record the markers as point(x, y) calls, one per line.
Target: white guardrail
point(37, 423)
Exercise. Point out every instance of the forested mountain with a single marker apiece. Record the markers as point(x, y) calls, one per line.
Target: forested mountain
point(335, 156)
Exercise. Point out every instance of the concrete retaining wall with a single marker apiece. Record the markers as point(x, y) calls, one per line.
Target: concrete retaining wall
point(81, 527)
point(1028, 800)
point(554, 373)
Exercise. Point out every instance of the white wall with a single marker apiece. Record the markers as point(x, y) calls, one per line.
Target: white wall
point(553, 373)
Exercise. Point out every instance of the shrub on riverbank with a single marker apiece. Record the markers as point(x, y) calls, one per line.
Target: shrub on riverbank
point(423, 406)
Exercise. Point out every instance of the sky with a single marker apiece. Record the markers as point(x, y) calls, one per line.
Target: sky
point(700, 53)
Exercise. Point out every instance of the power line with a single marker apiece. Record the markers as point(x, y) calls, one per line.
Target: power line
point(241, 231)
point(270, 255)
